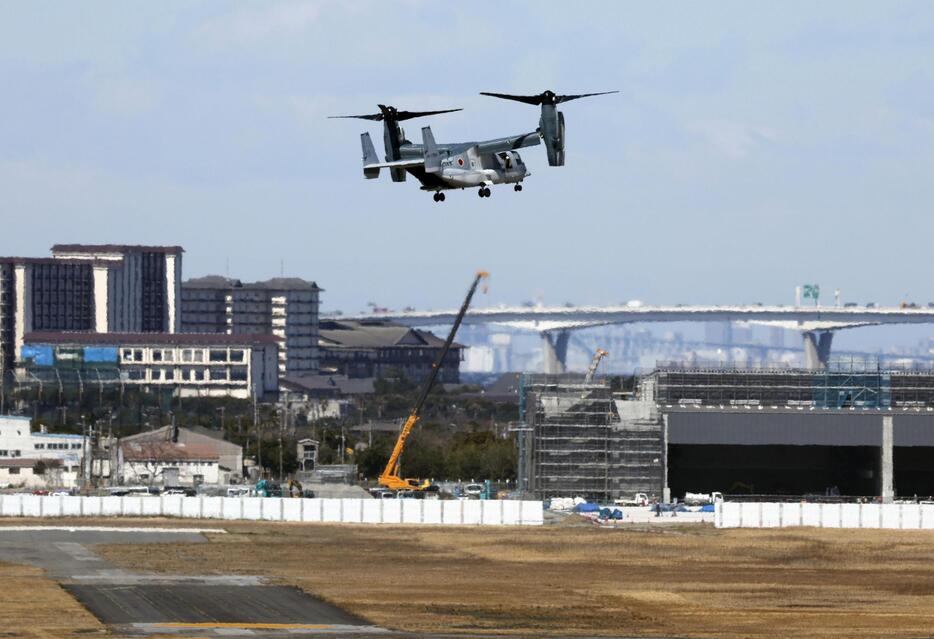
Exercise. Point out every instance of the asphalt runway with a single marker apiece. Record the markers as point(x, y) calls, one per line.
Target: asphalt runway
point(149, 603)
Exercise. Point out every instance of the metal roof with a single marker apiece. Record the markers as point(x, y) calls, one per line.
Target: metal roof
point(273, 284)
point(114, 248)
point(375, 334)
point(145, 339)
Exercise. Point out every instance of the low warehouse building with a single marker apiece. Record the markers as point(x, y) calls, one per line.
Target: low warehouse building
point(171, 456)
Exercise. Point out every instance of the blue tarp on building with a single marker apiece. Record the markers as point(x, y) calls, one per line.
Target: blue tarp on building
point(38, 354)
point(107, 354)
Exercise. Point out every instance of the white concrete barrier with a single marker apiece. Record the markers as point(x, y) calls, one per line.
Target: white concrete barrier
point(733, 514)
point(354, 511)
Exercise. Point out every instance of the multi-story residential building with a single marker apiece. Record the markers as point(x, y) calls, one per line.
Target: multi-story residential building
point(284, 307)
point(241, 366)
point(105, 288)
point(379, 348)
point(33, 459)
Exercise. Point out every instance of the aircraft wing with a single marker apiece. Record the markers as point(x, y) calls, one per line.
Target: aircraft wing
point(398, 164)
point(509, 144)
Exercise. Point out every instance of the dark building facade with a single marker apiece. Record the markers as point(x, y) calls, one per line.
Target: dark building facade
point(378, 348)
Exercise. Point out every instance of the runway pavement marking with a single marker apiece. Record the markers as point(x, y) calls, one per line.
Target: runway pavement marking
point(250, 626)
point(112, 529)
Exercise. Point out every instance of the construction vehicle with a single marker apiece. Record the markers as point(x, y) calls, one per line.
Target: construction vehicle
point(389, 478)
point(595, 362)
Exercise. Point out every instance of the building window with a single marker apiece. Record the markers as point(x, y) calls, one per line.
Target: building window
point(17, 453)
point(197, 355)
point(218, 355)
point(13, 471)
point(218, 374)
point(138, 355)
point(127, 355)
point(144, 476)
point(186, 355)
point(168, 356)
point(238, 374)
point(40, 446)
point(236, 355)
point(4, 453)
point(156, 355)
point(76, 446)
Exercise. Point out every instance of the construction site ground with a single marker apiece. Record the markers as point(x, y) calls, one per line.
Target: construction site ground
point(568, 579)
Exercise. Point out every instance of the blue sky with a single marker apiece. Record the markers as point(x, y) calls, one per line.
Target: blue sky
point(753, 146)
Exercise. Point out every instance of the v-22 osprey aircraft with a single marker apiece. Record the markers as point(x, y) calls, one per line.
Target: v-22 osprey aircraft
point(441, 167)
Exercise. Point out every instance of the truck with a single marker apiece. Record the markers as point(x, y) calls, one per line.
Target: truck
point(639, 499)
point(697, 499)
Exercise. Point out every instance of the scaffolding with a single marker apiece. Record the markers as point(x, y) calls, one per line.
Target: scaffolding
point(577, 444)
point(837, 387)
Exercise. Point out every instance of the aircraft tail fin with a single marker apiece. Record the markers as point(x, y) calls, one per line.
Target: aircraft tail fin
point(369, 157)
point(432, 154)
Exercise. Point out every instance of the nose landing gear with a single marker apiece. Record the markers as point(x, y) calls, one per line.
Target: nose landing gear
point(517, 187)
point(439, 197)
point(484, 192)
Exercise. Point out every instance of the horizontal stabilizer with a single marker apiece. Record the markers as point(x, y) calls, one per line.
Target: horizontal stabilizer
point(398, 164)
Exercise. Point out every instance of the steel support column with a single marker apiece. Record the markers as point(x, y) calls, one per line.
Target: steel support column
point(886, 464)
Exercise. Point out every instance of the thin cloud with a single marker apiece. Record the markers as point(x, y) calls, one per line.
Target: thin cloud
point(261, 23)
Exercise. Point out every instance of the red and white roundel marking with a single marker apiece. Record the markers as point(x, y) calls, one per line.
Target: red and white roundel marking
point(460, 161)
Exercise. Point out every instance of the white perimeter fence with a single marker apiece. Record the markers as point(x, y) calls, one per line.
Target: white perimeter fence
point(349, 511)
point(777, 515)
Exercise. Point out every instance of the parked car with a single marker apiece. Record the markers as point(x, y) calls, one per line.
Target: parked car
point(473, 490)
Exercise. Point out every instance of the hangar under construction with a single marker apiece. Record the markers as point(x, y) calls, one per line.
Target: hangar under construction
point(846, 430)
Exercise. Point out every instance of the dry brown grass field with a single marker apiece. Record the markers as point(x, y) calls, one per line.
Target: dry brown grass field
point(32, 605)
point(691, 581)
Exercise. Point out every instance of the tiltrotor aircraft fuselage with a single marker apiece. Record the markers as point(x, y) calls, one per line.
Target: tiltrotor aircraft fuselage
point(440, 167)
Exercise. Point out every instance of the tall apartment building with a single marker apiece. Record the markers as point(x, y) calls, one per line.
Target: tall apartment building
point(286, 307)
point(91, 288)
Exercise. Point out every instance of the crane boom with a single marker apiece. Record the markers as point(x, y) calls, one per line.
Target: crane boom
point(389, 478)
point(600, 354)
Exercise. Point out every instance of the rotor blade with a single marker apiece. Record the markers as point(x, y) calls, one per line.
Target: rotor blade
point(527, 99)
point(408, 115)
point(568, 98)
point(374, 116)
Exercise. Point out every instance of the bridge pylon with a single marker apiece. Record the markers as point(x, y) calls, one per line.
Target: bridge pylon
point(555, 351)
point(817, 349)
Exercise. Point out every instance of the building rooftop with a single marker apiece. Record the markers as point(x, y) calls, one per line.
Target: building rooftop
point(375, 334)
point(274, 284)
point(21, 462)
point(56, 260)
point(114, 248)
point(336, 384)
point(144, 339)
point(166, 450)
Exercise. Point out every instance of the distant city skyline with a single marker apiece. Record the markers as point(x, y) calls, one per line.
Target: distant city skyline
point(752, 147)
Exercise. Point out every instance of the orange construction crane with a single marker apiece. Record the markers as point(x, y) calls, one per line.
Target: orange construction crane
point(389, 478)
point(600, 354)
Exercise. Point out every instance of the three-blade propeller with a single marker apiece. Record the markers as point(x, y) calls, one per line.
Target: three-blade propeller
point(391, 113)
point(546, 97)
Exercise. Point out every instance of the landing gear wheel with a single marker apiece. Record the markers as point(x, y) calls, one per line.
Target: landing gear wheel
point(484, 192)
point(518, 187)
point(441, 197)
point(437, 197)
point(481, 192)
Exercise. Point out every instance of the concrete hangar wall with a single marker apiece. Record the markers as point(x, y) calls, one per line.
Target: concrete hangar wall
point(799, 451)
